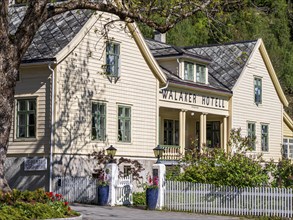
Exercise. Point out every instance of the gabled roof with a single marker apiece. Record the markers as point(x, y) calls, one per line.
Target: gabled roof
point(53, 35)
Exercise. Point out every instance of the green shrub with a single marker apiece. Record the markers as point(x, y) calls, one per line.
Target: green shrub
point(139, 198)
point(33, 205)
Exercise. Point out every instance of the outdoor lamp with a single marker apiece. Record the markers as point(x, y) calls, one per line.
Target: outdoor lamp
point(111, 151)
point(158, 151)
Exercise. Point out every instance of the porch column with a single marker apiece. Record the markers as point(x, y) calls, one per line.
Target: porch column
point(182, 127)
point(203, 130)
point(225, 132)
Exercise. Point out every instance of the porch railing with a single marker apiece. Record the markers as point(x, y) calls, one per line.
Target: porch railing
point(172, 152)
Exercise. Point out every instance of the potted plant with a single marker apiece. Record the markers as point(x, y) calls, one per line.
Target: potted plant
point(103, 188)
point(152, 191)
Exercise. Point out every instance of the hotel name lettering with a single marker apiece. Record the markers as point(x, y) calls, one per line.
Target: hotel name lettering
point(193, 98)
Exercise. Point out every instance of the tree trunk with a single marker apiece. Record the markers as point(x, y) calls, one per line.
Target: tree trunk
point(8, 74)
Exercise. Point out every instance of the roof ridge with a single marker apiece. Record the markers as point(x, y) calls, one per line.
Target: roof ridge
point(224, 44)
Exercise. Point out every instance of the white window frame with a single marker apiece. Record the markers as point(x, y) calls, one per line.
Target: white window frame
point(98, 136)
point(195, 73)
point(288, 147)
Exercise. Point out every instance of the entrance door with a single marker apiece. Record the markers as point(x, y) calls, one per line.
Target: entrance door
point(213, 134)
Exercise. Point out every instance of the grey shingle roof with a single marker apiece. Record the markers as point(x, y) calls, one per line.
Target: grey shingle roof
point(160, 49)
point(226, 61)
point(53, 35)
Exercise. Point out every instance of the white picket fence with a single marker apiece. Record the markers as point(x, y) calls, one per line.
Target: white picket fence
point(84, 189)
point(208, 198)
point(124, 191)
point(77, 189)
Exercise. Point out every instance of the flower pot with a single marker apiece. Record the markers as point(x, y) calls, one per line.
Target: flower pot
point(152, 198)
point(103, 194)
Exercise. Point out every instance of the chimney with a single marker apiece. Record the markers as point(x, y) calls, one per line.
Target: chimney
point(159, 36)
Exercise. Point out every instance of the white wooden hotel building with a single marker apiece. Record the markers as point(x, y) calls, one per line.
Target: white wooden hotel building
point(66, 107)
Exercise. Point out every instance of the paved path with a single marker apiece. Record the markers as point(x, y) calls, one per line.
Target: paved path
point(90, 212)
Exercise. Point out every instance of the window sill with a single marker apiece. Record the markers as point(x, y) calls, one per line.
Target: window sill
point(25, 140)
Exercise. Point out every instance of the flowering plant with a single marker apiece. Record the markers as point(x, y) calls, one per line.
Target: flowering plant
point(152, 182)
point(103, 179)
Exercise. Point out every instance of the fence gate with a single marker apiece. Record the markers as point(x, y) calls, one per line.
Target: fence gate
point(124, 191)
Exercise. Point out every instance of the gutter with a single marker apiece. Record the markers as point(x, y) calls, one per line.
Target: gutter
point(52, 125)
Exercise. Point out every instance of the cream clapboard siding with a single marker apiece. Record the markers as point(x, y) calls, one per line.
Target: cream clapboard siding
point(34, 82)
point(287, 132)
point(81, 80)
point(270, 111)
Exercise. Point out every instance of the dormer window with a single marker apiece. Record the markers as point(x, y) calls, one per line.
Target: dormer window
point(188, 71)
point(201, 73)
point(195, 72)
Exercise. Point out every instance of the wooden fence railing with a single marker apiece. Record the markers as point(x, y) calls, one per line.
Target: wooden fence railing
point(207, 198)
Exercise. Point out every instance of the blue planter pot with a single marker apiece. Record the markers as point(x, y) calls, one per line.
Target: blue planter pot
point(103, 195)
point(152, 198)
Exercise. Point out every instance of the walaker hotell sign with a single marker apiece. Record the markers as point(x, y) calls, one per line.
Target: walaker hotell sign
point(194, 98)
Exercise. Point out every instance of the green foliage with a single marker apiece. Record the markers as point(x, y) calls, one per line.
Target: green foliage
point(139, 198)
point(283, 174)
point(252, 19)
point(33, 205)
point(220, 168)
point(214, 166)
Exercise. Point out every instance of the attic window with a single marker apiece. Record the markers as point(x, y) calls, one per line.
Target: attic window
point(195, 72)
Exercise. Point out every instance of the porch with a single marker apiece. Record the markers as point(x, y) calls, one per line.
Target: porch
point(184, 130)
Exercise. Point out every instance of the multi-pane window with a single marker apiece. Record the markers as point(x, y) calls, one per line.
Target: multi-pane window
point(251, 134)
point(188, 71)
point(257, 90)
point(124, 123)
point(171, 132)
point(200, 73)
point(288, 147)
point(264, 137)
point(112, 58)
point(213, 134)
point(26, 118)
point(98, 121)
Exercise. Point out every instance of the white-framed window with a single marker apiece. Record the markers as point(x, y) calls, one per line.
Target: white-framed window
point(188, 71)
point(112, 58)
point(171, 132)
point(201, 73)
point(257, 90)
point(194, 72)
point(288, 147)
point(98, 121)
point(251, 134)
point(264, 137)
point(26, 118)
point(124, 123)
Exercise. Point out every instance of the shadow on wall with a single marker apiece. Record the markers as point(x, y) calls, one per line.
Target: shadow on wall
point(78, 86)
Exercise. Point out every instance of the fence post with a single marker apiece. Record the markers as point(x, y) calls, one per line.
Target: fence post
point(112, 169)
point(159, 170)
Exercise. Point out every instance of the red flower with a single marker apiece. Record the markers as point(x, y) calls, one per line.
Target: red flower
point(66, 203)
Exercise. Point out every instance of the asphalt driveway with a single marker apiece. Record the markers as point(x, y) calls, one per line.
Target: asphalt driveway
point(90, 212)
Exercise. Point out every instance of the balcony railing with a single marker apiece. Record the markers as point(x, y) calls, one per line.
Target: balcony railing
point(172, 152)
